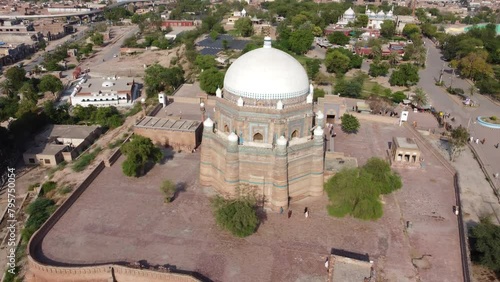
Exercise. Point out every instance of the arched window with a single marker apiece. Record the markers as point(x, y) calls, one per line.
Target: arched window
point(295, 134)
point(226, 128)
point(257, 137)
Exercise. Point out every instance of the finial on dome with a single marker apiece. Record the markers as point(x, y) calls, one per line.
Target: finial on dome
point(240, 102)
point(267, 42)
point(208, 123)
point(320, 115)
point(279, 105)
point(218, 93)
point(282, 141)
point(232, 137)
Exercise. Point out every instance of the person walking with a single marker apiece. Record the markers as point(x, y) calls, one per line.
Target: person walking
point(281, 210)
point(471, 139)
point(289, 213)
point(496, 146)
point(477, 140)
point(306, 212)
point(483, 141)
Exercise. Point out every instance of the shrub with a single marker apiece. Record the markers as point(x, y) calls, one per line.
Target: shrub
point(238, 216)
point(493, 118)
point(485, 249)
point(33, 186)
point(350, 123)
point(48, 186)
point(398, 96)
point(65, 190)
point(168, 189)
point(85, 160)
point(39, 211)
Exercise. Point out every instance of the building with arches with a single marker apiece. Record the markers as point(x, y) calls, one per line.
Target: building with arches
point(264, 132)
point(105, 91)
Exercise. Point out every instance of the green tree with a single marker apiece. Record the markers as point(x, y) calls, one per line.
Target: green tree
point(474, 65)
point(29, 92)
point(139, 151)
point(26, 106)
point(350, 123)
point(211, 79)
point(380, 69)
point(312, 67)
point(16, 77)
point(214, 35)
point(398, 96)
point(361, 21)
point(419, 99)
point(300, 41)
point(458, 141)
point(485, 249)
point(205, 62)
point(387, 29)
point(405, 75)
point(97, 38)
point(8, 107)
point(337, 62)
point(428, 29)
point(7, 88)
point(411, 29)
point(238, 216)
point(159, 78)
point(168, 189)
point(356, 191)
point(244, 27)
point(338, 38)
point(50, 83)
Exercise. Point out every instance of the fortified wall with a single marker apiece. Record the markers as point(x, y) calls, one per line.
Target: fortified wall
point(41, 272)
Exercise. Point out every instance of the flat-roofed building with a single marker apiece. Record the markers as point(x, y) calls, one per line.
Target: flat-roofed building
point(405, 151)
point(178, 133)
point(104, 91)
point(59, 143)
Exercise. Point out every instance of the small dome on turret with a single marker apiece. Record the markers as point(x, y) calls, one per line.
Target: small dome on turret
point(218, 92)
point(318, 131)
point(320, 115)
point(282, 141)
point(208, 123)
point(232, 137)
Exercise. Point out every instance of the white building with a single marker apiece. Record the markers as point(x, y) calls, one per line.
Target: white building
point(348, 17)
point(106, 91)
point(376, 19)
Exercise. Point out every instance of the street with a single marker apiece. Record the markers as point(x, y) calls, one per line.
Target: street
point(465, 116)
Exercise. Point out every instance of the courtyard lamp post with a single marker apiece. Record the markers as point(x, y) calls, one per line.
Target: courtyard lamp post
point(143, 103)
point(202, 110)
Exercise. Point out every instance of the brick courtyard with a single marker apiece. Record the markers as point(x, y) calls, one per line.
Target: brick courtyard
point(120, 219)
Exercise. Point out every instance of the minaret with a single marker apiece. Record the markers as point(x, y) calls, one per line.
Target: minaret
point(310, 97)
point(206, 168)
point(218, 93)
point(232, 169)
point(279, 197)
point(317, 169)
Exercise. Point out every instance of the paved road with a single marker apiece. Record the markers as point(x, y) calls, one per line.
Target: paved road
point(466, 116)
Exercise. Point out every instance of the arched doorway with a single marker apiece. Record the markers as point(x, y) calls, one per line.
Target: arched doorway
point(226, 128)
point(257, 137)
point(295, 134)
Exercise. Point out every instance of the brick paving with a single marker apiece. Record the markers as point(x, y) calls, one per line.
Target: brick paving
point(120, 219)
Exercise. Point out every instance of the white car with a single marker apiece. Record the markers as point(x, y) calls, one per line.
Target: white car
point(115, 55)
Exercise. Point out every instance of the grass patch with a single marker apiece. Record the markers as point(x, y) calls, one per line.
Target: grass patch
point(48, 186)
point(85, 160)
point(65, 190)
point(134, 110)
point(33, 186)
point(373, 88)
point(116, 143)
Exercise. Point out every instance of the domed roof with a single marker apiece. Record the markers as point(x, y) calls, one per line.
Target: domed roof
point(266, 73)
point(381, 13)
point(349, 11)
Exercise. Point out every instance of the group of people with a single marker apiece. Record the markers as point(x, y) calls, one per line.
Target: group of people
point(477, 140)
point(306, 212)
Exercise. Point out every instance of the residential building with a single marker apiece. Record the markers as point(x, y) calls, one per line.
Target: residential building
point(104, 91)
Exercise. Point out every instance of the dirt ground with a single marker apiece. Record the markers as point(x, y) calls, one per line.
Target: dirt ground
point(120, 219)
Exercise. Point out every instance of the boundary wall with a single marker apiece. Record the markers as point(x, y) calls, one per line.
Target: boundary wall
point(40, 272)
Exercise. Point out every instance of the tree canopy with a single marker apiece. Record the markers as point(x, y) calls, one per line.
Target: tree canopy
point(405, 75)
point(485, 249)
point(211, 79)
point(458, 141)
point(159, 78)
point(238, 216)
point(338, 38)
point(357, 191)
point(244, 27)
point(139, 151)
point(350, 123)
point(50, 83)
point(387, 29)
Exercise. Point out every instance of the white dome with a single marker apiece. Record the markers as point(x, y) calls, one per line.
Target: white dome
point(281, 141)
point(381, 13)
point(232, 137)
point(266, 73)
point(320, 115)
point(107, 83)
point(208, 123)
point(349, 12)
point(318, 131)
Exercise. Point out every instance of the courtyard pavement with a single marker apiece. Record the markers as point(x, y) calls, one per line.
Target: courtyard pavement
point(120, 219)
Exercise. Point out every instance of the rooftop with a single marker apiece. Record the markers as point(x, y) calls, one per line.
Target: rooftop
point(168, 124)
point(406, 143)
point(68, 131)
point(46, 149)
point(350, 270)
point(189, 90)
point(96, 84)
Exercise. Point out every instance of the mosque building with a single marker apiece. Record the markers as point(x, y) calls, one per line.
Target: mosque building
point(374, 19)
point(264, 133)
